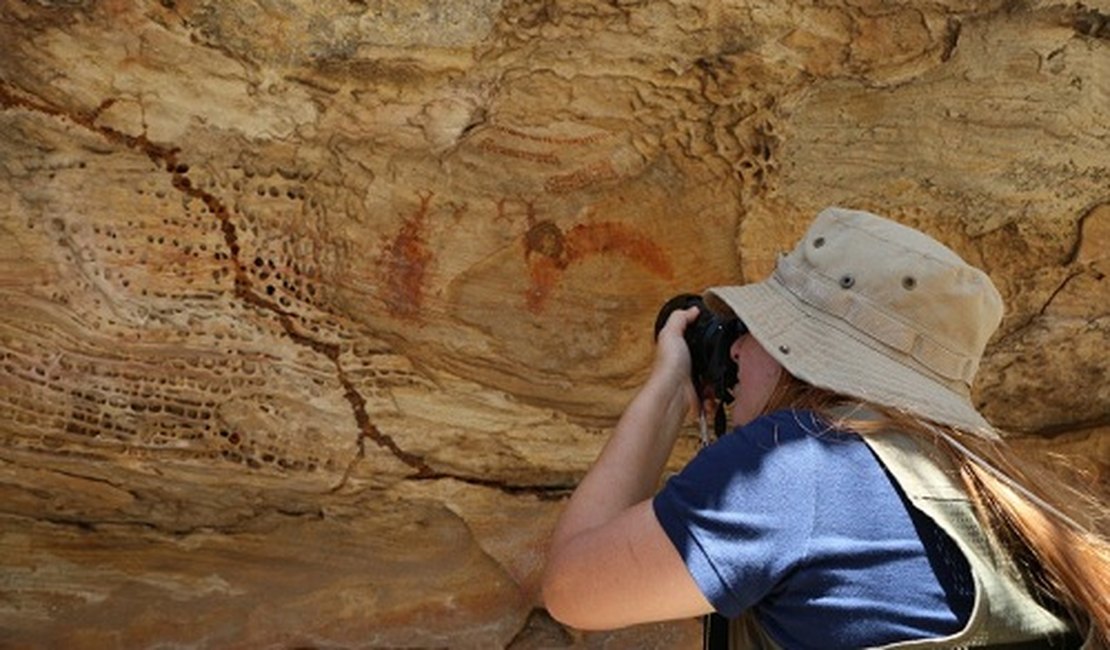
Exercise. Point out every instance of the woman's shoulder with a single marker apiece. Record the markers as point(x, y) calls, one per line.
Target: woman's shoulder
point(783, 442)
point(774, 429)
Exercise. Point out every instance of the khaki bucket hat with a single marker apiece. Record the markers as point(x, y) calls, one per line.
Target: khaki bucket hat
point(875, 310)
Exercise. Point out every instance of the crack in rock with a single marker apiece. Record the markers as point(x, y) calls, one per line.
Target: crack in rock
point(167, 158)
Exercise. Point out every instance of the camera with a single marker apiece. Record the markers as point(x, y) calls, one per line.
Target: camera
point(709, 339)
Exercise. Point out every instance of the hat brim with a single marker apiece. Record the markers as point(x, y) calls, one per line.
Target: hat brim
point(824, 351)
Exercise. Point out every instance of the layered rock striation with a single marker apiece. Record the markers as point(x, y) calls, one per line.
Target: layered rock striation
point(311, 314)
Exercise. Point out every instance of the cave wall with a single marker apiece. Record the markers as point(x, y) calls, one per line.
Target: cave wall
point(312, 313)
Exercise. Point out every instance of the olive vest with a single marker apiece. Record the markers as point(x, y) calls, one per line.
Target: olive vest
point(1003, 615)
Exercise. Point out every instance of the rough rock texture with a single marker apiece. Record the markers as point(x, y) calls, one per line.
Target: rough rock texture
point(312, 312)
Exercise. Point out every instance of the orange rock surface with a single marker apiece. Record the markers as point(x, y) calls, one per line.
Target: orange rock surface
point(311, 316)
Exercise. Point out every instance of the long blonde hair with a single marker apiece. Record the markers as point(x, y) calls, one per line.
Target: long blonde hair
point(1054, 531)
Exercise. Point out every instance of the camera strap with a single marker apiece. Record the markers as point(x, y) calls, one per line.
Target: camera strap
point(714, 627)
point(720, 423)
point(703, 428)
point(714, 632)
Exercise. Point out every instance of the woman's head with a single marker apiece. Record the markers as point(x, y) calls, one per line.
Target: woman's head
point(758, 376)
point(872, 309)
point(763, 386)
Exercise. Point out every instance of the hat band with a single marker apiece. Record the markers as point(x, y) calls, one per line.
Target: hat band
point(827, 296)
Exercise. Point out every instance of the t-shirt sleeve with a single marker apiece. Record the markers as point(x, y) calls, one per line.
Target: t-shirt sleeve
point(741, 512)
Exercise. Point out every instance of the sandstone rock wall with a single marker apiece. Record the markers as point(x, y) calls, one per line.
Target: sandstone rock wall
point(312, 312)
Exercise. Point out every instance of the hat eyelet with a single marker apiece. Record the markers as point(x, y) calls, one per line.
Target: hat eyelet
point(819, 242)
point(847, 282)
point(785, 349)
point(909, 283)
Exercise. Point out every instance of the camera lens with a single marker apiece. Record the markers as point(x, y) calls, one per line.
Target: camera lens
point(709, 339)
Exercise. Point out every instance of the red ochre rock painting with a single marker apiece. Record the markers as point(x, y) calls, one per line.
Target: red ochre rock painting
point(598, 172)
point(593, 138)
point(405, 261)
point(549, 252)
point(542, 157)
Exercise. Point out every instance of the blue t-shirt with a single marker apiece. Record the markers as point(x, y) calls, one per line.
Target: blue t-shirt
point(803, 524)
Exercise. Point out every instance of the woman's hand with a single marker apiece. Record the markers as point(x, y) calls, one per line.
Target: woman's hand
point(672, 355)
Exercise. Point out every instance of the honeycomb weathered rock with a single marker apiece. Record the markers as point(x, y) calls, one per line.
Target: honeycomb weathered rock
point(310, 316)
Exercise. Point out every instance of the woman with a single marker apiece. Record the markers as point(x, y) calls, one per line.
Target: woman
point(861, 501)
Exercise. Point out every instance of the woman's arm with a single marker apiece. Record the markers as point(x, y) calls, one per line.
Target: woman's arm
point(610, 564)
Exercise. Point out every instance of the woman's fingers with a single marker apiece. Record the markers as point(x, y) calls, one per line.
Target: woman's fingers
point(672, 356)
point(680, 318)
